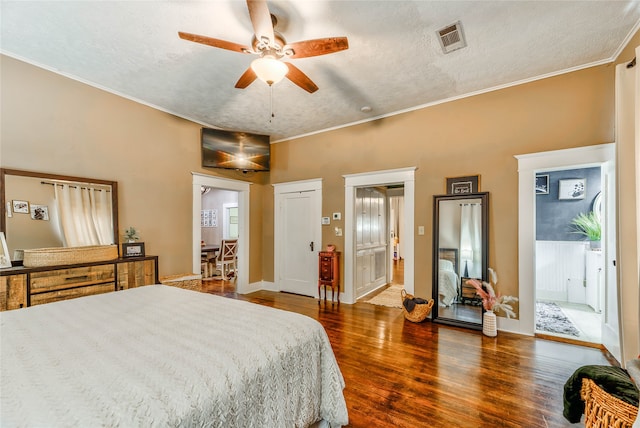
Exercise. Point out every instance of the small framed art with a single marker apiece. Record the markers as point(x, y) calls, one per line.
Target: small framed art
point(21, 207)
point(39, 212)
point(462, 185)
point(542, 184)
point(572, 189)
point(132, 249)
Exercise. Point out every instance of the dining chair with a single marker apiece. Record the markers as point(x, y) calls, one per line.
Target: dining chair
point(227, 257)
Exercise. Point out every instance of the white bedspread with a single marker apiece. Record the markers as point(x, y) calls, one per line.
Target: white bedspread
point(163, 356)
point(447, 282)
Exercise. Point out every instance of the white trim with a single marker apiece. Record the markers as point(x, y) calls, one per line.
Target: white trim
point(528, 164)
point(242, 187)
point(311, 185)
point(227, 222)
point(375, 178)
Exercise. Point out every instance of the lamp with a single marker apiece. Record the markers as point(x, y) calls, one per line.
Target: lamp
point(466, 255)
point(269, 69)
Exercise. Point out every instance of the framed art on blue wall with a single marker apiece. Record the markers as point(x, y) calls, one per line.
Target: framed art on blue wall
point(574, 188)
point(542, 184)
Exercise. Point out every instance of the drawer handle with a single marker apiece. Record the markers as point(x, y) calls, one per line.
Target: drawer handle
point(71, 278)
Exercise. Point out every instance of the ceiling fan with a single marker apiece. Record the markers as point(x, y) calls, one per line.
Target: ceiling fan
point(272, 49)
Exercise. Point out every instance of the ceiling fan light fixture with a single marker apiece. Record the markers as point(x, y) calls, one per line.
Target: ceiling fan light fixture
point(269, 70)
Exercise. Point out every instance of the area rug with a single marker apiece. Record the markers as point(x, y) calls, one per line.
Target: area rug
point(550, 318)
point(390, 297)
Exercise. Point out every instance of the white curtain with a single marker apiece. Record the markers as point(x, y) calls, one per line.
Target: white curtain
point(471, 240)
point(85, 215)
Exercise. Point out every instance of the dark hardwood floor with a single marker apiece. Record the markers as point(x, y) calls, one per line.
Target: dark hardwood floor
point(403, 374)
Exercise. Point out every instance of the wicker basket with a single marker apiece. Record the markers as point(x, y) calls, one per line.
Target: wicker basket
point(189, 281)
point(69, 255)
point(420, 311)
point(602, 410)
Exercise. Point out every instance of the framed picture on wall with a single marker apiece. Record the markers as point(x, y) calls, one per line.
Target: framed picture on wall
point(542, 184)
point(21, 207)
point(574, 188)
point(39, 212)
point(462, 185)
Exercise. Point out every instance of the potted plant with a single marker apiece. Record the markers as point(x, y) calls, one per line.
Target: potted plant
point(589, 226)
point(492, 302)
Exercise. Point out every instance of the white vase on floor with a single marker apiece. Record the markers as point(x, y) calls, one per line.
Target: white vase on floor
point(489, 324)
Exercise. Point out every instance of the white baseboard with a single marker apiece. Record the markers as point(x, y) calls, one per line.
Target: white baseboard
point(257, 286)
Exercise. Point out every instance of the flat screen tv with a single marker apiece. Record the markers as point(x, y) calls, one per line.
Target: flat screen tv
point(243, 151)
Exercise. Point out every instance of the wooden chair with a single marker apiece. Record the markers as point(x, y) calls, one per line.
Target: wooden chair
point(227, 257)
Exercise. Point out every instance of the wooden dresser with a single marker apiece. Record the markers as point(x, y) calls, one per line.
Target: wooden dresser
point(329, 273)
point(22, 286)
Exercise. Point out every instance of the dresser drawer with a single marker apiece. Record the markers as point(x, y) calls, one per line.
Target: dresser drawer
point(75, 277)
point(13, 292)
point(71, 293)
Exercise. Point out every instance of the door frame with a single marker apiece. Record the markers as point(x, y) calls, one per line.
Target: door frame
point(279, 189)
point(528, 164)
point(406, 176)
point(242, 187)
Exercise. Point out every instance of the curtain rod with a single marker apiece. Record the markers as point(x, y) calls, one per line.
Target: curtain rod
point(75, 187)
point(632, 63)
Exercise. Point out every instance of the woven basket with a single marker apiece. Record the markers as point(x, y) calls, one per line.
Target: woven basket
point(69, 255)
point(189, 281)
point(420, 311)
point(602, 410)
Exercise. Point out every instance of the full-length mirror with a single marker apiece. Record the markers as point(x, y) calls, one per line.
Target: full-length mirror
point(460, 252)
point(47, 210)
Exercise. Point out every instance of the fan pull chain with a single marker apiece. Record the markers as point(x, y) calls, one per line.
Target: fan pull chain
point(271, 102)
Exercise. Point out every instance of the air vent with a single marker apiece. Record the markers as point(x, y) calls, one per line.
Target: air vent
point(451, 37)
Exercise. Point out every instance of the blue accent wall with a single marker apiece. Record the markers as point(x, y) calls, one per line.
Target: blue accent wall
point(553, 216)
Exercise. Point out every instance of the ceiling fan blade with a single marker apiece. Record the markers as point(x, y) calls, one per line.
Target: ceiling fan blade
point(261, 20)
point(317, 47)
point(216, 43)
point(300, 79)
point(246, 79)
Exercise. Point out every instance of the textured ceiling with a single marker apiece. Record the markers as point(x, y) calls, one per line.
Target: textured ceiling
point(394, 62)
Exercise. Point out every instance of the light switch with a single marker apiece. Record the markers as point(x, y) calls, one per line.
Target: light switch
point(338, 231)
point(420, 230)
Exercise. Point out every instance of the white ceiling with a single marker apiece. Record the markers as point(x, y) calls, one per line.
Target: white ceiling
point(394, 62)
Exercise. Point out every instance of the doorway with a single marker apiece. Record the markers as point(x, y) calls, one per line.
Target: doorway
point(241, 188)
point(402, 177)
point(529, 165)
point(569, 284)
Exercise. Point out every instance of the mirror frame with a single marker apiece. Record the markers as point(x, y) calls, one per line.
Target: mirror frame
point(46, 176)
point(484, 197)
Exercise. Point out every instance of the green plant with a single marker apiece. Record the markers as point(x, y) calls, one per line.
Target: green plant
point(587, 225)
point(131, 234)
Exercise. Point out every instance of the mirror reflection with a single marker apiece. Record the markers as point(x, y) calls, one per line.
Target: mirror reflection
point(460, 253)
point(42, 210)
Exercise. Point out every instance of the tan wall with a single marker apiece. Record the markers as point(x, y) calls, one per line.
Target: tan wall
point(54, 124)
point(476, 135)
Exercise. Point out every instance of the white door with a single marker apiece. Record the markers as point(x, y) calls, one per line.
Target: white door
point(611, 313)
point(298, 240)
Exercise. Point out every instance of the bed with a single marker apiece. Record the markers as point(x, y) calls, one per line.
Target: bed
point(447, 276)
point(164, 356)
